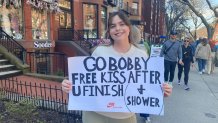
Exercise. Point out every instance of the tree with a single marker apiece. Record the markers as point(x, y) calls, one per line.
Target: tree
point(175, 12)
point(210, 28)
point(196, 22)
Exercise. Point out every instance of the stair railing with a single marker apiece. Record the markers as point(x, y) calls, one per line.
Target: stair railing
point(12, 45)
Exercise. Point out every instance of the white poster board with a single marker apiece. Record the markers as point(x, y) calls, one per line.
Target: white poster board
point(155, 51)
point(121, 84)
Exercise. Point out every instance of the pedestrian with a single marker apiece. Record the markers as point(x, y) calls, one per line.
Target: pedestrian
point(192, 45)
point(187, 59)
point(216, 54)
point(172, 53)
point(119, 31)
point(211, 60)
point(202, 54)
point(198, 41)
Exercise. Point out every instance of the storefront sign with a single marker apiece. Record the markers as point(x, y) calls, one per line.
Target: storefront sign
point(43, 44)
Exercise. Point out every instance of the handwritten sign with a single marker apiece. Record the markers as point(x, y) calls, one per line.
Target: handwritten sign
point(121, 84)
point(155, 51)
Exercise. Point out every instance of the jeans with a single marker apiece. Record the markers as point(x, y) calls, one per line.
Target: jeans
point(169, 68)
point(144, 115)
point(186, 68)
point(201, 64)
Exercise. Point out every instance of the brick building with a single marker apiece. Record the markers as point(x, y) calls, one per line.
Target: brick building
point(71, 26)
point(89, 21)
point(39, 29)
point(153, 12)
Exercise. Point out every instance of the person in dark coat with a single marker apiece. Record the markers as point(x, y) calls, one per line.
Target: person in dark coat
point(187, 59)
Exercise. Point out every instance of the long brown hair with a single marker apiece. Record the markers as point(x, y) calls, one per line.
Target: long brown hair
point(124, 18)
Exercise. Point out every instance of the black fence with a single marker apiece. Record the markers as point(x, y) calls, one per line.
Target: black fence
point(48, 63)
point(43, 96)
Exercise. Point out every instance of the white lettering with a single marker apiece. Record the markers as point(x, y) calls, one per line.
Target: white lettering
point(42, 44)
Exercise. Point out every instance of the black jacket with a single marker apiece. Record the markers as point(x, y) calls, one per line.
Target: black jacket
point(187, 54)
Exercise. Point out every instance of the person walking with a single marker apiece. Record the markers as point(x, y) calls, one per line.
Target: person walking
point(172, 53)
point(187, 59)
point(216, 54)
point(119, 31)
point(202, 54)
point(211, 60)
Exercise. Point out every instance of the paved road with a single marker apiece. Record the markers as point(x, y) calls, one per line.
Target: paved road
point(199, 105)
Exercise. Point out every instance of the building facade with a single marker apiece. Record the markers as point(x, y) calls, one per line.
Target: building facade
point(153, 12)
point(37, 26)
point(30, 23)
point(70, 26)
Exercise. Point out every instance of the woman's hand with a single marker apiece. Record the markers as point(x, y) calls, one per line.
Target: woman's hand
point(66, 86)
point(167, 89)
point(180, 62)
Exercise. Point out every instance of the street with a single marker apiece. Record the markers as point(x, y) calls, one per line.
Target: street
point(198, 105)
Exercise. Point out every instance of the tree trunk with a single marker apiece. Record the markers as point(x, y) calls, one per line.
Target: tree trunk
point(210, 31)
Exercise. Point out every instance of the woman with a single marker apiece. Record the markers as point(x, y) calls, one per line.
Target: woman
point(119, 29)
point(187, 59)
point(202, 54)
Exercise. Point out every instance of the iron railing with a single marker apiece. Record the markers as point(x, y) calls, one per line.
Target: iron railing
point(48, 63)
point(70, 34)
point(80, 37)
point(12, 46)
point(65, 34)
point(44, 96)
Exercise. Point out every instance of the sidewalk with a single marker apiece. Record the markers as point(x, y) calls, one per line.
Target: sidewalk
point(199, 105)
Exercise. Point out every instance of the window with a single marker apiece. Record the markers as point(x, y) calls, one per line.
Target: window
point(65, 17)
point(64, 4)
point(121, 3)
point(135, 8)
point(11, 20)
point(65, 20)
point(113, 2)
point(90, 20)
point(103, 22)
point(39, 24)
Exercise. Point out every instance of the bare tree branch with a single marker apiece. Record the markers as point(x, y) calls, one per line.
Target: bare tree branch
point(210, 29)
point(212, 8)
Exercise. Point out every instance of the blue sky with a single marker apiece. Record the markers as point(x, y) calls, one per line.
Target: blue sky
point(215, 2)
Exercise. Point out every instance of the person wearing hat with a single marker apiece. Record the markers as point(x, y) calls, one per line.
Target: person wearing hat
point(172, 52)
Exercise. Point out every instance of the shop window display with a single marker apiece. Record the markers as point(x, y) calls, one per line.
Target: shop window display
point(11, 18)
point(65, 20)
point(65, 16)
point(103, 22)
point(64, 4)
point(39, 24)
point(90, 20)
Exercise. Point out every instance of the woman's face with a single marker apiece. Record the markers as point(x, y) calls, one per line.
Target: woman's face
point(186, 41)
point(119, 31)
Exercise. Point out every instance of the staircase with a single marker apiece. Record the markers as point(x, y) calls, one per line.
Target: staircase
point(6, 69)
